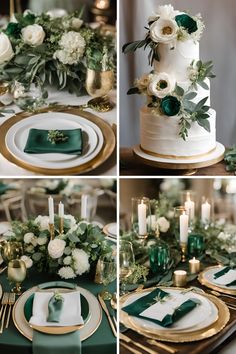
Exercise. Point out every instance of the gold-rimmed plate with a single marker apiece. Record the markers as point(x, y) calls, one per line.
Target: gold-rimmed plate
point(90, 326)
point(206, 279)
point(100, 158)
point(180, 337)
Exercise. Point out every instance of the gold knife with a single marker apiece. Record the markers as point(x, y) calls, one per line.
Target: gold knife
point(105, 309)
point(137, 344)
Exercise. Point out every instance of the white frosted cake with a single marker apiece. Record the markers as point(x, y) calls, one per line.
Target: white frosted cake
point(177, 120)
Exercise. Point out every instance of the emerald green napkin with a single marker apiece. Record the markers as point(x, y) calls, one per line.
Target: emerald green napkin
point(37, 142)
point(56, 344)
point(145, 302)
point(223, 272)
point(55, 306)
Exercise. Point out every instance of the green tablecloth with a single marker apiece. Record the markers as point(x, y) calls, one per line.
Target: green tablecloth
point(101, 342)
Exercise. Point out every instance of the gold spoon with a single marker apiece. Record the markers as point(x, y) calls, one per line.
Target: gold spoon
point(99, 104)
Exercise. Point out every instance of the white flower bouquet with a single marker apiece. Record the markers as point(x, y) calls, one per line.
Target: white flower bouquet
point(43, 51)
point(69, 254)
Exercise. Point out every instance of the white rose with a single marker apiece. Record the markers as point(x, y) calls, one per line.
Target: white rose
point(56, 248)
point(163, 31)
point(27, 260)
point(76, 23)
point(81, 261)
point(43, 222)
point(28, 237)
point(66, 273)
point(6, 51)
point(163, 224)
point(166, 11)
point(33, 34)
point(161, 85)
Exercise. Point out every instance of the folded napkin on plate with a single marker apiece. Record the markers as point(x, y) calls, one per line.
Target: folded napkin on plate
point(37, 142)
point(226, 276)
point(70, 313)
point(151, 307)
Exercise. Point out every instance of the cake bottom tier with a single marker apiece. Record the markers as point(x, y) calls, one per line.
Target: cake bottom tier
point(160, 135)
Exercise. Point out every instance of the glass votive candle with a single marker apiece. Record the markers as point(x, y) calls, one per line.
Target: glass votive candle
point(195, 245)
point(194, 266)
point(180, 278)
point(159, 257)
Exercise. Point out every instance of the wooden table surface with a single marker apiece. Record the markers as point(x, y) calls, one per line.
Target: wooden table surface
point(130, 166)
point(207, 346)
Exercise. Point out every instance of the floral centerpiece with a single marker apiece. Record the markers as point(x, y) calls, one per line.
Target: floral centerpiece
point(43, 51)
point(68, 254)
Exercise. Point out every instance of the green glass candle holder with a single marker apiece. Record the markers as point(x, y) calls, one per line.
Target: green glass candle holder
point(196, 245)
point(159, 257)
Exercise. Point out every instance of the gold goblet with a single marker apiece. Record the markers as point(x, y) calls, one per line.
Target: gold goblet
point(16, 272)
point(98, 84)
point(12, 250)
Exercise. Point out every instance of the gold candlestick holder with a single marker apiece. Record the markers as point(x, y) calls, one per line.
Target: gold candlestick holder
point(61, 226)
point(52, 231)
point(183, 252)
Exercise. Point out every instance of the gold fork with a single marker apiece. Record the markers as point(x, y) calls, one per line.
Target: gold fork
point(3, 309)
point(11, 301)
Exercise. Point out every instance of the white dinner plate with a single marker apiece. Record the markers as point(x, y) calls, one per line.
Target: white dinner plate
point(17, 135)
point(200, 317)
point(209, 276)
point(86, 331)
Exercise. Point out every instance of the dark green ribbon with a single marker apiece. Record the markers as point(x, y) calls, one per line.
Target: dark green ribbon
point(145, 302)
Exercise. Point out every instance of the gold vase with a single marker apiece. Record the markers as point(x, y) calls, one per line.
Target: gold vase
point(12, 250)
point(99, 83)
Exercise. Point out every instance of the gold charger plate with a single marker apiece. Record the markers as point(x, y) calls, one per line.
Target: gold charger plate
point(197, 335)
point(90, 325)
point(202, 279)
point(103, 155)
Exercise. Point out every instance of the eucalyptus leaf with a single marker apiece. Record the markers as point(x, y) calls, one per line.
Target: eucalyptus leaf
point(201, 103)
point(205, 124)
point(204, 85)
point(190, 95)
point(179, 91)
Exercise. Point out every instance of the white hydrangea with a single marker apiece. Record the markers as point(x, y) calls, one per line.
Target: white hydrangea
point(72, 46)
point(28, 261)
point(76, 23)
point(163, 224)
point(81, 261)
point(67, 260)
point(66, 273)
point(41, 241)
point(43, 222)
point(28, 237)
point(56, 248)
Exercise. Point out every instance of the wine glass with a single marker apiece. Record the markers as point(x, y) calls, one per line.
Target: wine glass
point(127, 261)
point(16, 272)
point(108, 274)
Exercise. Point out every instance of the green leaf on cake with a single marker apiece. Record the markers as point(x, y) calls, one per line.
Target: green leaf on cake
point(133, 46)
point(200, 104)
point(190, 95)
point(204, 85)
point(179, 91)
point(205, 124)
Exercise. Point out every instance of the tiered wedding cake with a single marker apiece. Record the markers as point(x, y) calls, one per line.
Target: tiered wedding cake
point(177, 121)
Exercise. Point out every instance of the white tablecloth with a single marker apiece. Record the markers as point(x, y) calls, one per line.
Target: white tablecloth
point(62, 97)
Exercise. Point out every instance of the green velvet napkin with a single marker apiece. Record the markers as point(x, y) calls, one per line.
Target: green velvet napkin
point(56, 344)
point(145, 302)
point(37, 142)
point(55, 307)
point(223, 272)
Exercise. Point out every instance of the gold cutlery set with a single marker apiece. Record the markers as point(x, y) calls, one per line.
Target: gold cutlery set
point(8, 299)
